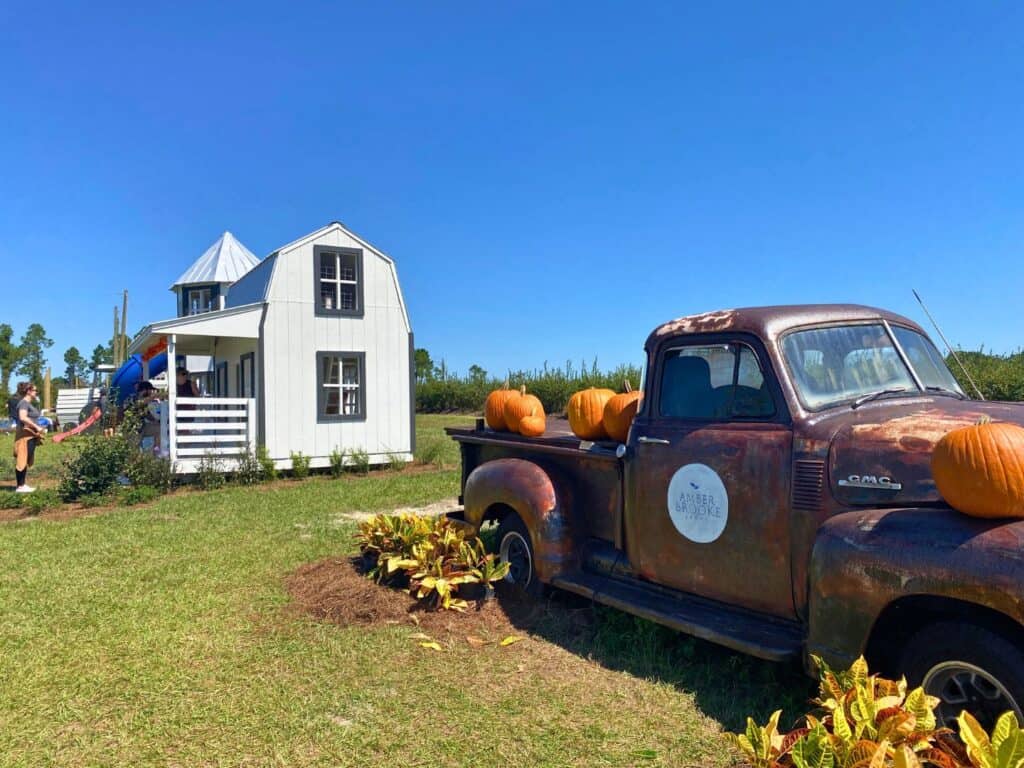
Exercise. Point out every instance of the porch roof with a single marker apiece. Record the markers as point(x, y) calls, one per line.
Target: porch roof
point(237, 322)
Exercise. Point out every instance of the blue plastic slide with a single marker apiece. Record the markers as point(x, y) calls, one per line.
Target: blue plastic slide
point(128, 375)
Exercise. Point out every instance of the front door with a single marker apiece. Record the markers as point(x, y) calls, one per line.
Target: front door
point(708, 476)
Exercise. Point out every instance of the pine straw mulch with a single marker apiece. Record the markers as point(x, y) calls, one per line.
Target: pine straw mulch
point(337, 591)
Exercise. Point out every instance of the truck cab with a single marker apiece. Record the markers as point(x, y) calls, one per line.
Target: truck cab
point(774, 495)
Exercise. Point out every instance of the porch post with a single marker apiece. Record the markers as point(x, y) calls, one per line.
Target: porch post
point(172, 400)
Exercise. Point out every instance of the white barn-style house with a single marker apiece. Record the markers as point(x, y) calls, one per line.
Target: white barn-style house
point(309, 350)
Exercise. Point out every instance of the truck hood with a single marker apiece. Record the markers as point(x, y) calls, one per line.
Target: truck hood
point(881, 455)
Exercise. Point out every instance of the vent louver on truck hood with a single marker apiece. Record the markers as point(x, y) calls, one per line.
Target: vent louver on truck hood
point(890, 445)
point(808, 485)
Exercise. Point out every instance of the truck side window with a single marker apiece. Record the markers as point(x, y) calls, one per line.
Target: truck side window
point(714, 382)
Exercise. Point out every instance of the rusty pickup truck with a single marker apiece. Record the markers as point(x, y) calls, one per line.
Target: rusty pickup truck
point(774, 496)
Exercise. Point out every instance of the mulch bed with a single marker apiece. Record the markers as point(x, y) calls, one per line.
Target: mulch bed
point(336, 591)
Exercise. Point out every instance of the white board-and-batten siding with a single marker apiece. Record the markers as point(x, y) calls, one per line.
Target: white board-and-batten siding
point(293, 334)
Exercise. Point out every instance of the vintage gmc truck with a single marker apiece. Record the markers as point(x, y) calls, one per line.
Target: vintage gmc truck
point(774, 496)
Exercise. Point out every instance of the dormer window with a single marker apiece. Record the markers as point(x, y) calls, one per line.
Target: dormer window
point(197, 300)
point(338, 276)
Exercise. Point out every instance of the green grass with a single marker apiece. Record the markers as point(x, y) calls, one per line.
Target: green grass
point(160, 635)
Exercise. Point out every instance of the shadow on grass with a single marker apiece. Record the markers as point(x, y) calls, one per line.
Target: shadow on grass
point(726, 685)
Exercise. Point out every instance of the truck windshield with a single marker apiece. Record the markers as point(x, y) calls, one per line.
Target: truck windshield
point(927, 362)
point(844, 363)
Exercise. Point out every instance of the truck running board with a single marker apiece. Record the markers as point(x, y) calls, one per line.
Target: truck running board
point(756, 634)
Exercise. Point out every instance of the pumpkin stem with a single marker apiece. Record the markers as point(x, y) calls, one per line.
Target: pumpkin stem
point(627, 386)
point(522, 390)
point(985, 419)
point(504, 384)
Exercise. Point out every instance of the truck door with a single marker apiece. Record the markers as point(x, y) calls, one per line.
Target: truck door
point(708, 477)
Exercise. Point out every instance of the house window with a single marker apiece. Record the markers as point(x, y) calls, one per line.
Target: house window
point(341, 386)
point(221, 383)
point(246, 376)
point(197, 301)
point(338, 274)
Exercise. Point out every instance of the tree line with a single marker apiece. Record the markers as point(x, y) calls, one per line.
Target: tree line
point(26, 359)
point(438, 390)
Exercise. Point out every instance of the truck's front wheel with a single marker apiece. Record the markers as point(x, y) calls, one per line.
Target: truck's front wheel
point(966, 667)
point(516, 549)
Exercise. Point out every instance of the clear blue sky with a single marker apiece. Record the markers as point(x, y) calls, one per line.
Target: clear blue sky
point(553, 179)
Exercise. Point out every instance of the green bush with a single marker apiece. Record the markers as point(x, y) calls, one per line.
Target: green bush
point(91, 500)
point(269, 468)
point(999, 377)
point(250, 470)
point(94, 466)
point(337, 462)
point(300, 464)
point(395, 462)
point(147, 469)
point(40, 501)
point(432, 452)
point(140, 494)
point(359, 461)
point(11, 500)
point(210, 472)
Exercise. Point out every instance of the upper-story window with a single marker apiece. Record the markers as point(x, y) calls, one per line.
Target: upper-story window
point(196, 301)
point(339, 280)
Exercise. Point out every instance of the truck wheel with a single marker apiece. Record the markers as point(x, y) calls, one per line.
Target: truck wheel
point(966, 667)
point(516, 549)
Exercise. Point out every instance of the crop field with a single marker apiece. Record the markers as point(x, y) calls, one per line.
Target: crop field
point(165, 634)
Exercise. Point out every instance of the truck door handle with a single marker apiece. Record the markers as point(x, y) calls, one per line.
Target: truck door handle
point(653, 440)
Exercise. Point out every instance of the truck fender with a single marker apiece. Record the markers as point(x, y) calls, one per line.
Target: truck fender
point(865, 561)
point(528, 490)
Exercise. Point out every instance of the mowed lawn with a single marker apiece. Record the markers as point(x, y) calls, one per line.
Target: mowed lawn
point(161, 635)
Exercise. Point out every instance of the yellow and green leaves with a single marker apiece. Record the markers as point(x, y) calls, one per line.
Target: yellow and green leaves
point(761, 745)
point(1005, 748)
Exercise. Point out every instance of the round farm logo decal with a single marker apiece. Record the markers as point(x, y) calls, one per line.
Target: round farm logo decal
point(698, 503)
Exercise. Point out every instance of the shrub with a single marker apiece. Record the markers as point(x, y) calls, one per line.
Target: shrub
point(147, 469)
point(250, 470)
point(337, 462)
point(210, 472)
point(40, 501)
point(94, 467)
point(870, 721)
point(300, 464)
point(395, 462)
point(439, 561)
point(140, 494)
point(91, 500)
point(269, 468)
point(359, 460)
point(11, 500)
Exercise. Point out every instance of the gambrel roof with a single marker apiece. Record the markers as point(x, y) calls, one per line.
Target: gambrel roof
point(223, 262)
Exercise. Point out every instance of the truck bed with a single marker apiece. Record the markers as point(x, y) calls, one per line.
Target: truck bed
point(590, 473)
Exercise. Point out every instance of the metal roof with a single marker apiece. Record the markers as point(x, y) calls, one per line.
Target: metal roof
point(223, 262)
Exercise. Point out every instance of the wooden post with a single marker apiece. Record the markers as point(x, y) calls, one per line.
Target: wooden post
point(47, 381)
point(250, 430)
point(124, 327)
point(172, 401)
point(115, 346)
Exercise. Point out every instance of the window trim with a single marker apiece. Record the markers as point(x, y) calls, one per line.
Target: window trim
point(321, 401)
point(321, 311)
point(219, 369)
point(251, 357)
point(781, 414)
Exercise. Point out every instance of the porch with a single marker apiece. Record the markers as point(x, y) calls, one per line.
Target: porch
point(219, 430)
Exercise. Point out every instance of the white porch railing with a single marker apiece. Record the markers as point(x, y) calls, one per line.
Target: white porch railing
point(221, 428)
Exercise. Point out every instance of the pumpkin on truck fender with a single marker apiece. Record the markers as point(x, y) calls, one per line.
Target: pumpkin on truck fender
point(979, 469)
point(517, 408)
point(533, 426)
point(586, 413)
point(494, 407)
point(619, 412)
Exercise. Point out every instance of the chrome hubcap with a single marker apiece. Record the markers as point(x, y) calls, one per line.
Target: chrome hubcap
point(959, 686)
point(516, 552)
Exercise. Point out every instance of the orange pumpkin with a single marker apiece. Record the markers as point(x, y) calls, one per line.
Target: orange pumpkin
point(619, 412)
point(979, 469)
point(517, 408)
point(533, 426)
point(586, 413)
point(494, 408)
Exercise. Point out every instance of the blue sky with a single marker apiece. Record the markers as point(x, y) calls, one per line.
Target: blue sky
point(552, 179)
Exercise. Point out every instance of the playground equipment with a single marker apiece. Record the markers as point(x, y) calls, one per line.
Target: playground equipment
point(130, 373)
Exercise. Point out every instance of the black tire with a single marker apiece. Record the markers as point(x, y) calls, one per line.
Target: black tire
point(516, 547)
point(967, 667)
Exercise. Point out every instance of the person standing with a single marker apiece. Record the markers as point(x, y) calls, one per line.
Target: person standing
point(27, 436)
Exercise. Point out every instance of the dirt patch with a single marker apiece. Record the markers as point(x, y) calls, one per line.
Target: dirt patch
point(429, 510)
point(335, 590)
